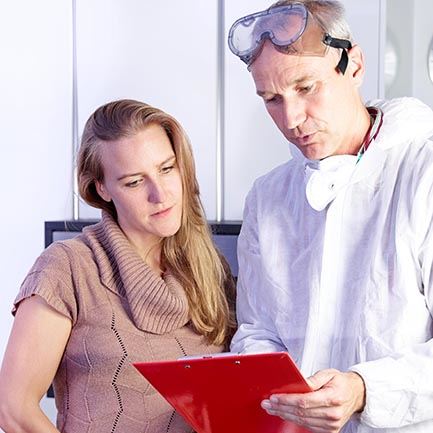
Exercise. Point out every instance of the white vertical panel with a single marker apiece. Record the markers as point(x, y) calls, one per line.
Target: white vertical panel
point(162, 53)
point(423, 37)
point(253, 145)
point(35, 125)
point(367, 22)
point(410, 30)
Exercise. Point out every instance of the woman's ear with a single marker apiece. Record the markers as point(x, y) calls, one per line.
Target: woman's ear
point(100, 188)
point(356, 67)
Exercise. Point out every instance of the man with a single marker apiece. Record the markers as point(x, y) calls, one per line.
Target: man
point(336, 247)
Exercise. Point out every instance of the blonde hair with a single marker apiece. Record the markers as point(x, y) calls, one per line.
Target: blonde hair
point(190, 253)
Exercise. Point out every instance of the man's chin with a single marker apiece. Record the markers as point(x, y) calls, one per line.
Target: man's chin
point(314, 154)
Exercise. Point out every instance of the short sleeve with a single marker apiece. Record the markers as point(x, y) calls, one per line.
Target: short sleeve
point(51, 278)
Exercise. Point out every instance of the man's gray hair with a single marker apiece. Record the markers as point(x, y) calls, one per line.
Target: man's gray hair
point(330, 14)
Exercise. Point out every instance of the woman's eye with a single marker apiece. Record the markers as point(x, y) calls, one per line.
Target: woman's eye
point(167, 169)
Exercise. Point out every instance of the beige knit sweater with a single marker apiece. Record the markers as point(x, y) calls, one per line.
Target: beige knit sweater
point(121, 312)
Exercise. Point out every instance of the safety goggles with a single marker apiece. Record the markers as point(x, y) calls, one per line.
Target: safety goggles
point(290, 28)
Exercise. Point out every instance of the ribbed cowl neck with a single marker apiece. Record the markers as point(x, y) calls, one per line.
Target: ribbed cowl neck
point(158, 305)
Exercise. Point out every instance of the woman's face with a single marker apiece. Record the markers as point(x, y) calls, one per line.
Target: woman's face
point(142, 178)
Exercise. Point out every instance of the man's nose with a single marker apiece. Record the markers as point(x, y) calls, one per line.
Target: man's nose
point(293, 114)
point(157, 192)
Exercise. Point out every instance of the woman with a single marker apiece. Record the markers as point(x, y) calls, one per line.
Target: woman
point(143, 284)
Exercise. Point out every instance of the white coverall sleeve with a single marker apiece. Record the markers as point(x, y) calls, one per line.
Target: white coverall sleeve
point(399, 388)
point(256, 332)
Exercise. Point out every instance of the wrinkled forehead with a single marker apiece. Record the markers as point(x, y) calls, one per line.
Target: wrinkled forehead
point(273, 68)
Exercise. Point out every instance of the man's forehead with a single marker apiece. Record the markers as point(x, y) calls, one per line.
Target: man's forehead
point(287, 74)
point(272, 66)
point(267, 86)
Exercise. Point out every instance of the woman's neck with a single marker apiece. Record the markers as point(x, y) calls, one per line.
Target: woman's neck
point(149, 249)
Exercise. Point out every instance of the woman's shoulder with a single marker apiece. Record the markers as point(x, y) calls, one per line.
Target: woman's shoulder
point(64, 253)
point(54, 273)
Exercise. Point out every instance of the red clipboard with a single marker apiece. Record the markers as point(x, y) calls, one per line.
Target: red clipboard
point(222, 394)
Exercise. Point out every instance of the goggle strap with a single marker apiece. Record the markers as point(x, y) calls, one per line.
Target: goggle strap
point(344, 44)
point(344, 61)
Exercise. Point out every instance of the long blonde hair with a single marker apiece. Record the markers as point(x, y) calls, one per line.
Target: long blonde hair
point(190, 253)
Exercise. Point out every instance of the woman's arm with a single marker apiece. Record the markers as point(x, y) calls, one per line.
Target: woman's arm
point(35, 348)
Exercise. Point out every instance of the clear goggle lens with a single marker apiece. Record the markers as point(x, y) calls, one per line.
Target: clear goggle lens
point(290, 28)
point(283, 25)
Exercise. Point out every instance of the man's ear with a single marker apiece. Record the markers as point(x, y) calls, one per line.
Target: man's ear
point(356, 66)
point(102, 191)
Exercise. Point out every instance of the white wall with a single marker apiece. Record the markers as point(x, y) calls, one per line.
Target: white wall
point(165, 56)
point(423, 35)
point(35, 125)
point(410, 27)
point(402, 41)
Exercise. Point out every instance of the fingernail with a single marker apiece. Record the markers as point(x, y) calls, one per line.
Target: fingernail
point(274, 399)
point(266, 404)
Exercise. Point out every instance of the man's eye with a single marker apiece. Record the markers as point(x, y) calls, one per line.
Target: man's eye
point(272, 100)
point(133, 183)
point(306, 89)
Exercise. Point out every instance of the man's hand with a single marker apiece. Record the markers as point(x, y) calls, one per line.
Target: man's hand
point(336, 396)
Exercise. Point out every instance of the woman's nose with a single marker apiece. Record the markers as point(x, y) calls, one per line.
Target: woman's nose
point(156, 192)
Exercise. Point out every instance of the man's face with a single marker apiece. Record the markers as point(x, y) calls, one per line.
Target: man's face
point(314, 106)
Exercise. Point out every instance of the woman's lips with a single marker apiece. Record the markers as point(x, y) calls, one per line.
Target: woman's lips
point(162, 213)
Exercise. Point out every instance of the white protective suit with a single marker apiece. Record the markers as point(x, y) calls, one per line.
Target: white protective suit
point(348, 284)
